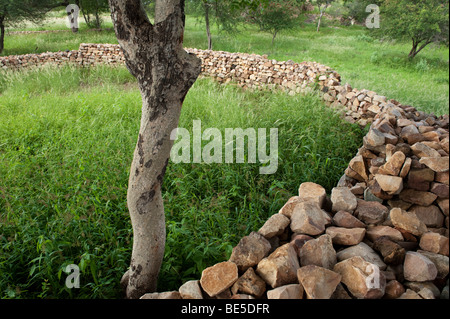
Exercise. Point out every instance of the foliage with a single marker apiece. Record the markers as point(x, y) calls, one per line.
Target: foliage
point(277, 16)
point(92, 10)
point(356, 9)
point(65, 142)
point(420, 21)
point(15, 11)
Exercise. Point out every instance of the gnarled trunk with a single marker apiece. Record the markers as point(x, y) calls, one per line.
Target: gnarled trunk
point(165, 72)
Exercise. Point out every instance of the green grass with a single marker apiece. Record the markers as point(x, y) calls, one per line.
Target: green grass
point(66, 143)
point(362, 61)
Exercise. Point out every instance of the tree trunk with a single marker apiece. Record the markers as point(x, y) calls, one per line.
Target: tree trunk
point(412, 53)
point(320, 20)
point(415, 50)
point(273, 37)
point(208, 27)
point(2, 35)
point(165, 72)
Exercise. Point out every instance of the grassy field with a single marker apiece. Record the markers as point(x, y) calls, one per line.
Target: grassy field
point(362, 61)
point(67, 138)
point(66, 143)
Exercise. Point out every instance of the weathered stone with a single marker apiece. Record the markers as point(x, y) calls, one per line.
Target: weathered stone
point(392, 185)
point(419, 179)
point(292, 291)
point(431, 215)
point(445, 144)
point(407, 221)
point(394, 290)
point(376, 190)
point(340, 293)
point(312, 192)
point(445, 293)
point(191, 290)
point(280, 268)
point(440, 261)
point(287, 209)
point(370, 197)
point(421, 150)
point(343, 199)
point(411, 134)
point(249, 283)
point(364, 251)
point(410, 294)
point(417, 197)
point(394, 165)
point(437, 164)
point(418, 286)
point(374, 138)
point(442, 177)
point(250, 251)
point(347, 220)
point(406, 167)
point(444, 206)
point(274, 226)
point(319, 252)
point(298, 241)
point(392, 252)
point(308, 218)
point(359, 167)
point(371, 212)
point(346, 236)
point(374, 232)
point(441, 190)
point(426, 293)
point(398, 203)
point(318, 282)
point(417, 267)
point(162, 295)
point(362, 279)
point(434, 243)
point(242, 296)
point(218, 278)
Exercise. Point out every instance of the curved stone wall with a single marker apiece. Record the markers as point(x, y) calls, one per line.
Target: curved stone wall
point(383, 231)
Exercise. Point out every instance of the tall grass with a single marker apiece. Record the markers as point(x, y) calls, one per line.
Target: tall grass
point(363, 61)
point(66, 143)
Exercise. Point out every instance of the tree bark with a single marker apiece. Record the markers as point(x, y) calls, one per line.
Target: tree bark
point(274, 35)
point(165, 72)
point(208, 26)
point(415, 50)
point(2, 35)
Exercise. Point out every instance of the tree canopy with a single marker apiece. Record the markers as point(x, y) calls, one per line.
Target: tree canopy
point(16, 11)
point(420, 21)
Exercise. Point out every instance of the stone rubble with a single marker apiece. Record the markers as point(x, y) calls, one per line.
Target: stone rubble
point(382, 232)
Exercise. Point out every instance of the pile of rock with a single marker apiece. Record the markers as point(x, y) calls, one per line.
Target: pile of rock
point(382, 233)
point(321, 247)
point(93, 54)
point(246, 70)
point(258, 72)
point(16, 62)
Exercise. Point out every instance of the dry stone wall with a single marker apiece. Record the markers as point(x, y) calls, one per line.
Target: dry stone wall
point(383, 232)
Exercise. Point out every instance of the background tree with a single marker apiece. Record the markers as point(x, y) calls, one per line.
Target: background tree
point(356, 9)
point(276, 16)
point(323, 6)
point(224, 13)
point(92, 10)
point(420, 21)
point(13, 12)
point(165, 72)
